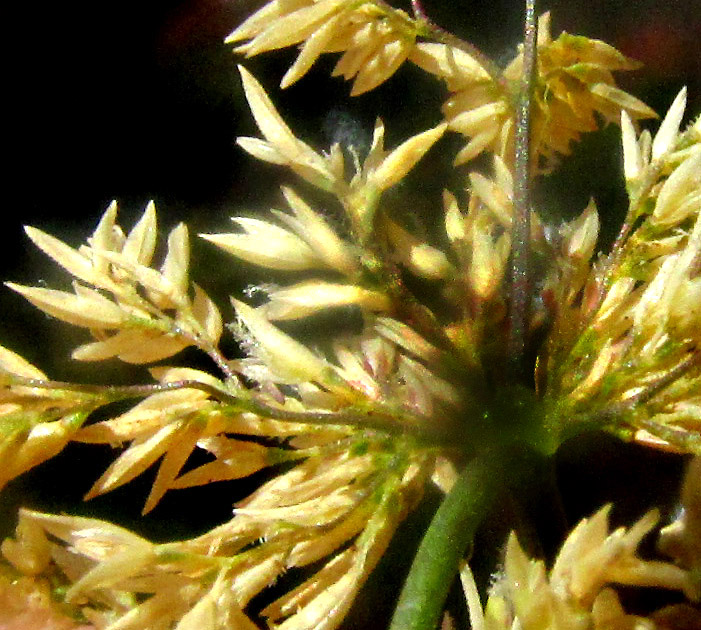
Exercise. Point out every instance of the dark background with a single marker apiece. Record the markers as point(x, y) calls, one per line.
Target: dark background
point(141, 100)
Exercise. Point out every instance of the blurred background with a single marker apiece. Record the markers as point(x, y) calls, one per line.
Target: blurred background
point(140, 100)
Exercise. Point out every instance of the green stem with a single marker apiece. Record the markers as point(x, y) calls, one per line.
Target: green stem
point(450, 533)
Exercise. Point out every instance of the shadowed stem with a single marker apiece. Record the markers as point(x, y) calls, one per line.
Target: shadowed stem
point(451, 531)
point(520, 238)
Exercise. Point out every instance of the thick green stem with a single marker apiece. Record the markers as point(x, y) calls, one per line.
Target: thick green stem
point(451, 531)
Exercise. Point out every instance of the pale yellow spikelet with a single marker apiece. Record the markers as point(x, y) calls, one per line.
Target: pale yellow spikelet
point(29, 552)
point(382, 64)
point(235, 459)
point(420, 257)
point(406, 337)
point(136, 459)
point(315, 45)
point(140, 243)
point(581, 234)
point(666, 135)
point(680, 195)
point(312, 550)
point(429, 262)
point(319, 235)
point(174, 459)
point(472, 122)
point(489, 257)
point(208, 316)
point(474, 607)
point(44, 440)
point(457, 67)
point(262, 150)
point(15, 364)
point(455, 227)
point(262, 17)
point(150, 279)
point(621, 99)
point(136, 346)
point(615, 302)
point(491, 135)
point(92, 537)
point(288, 359)
point(313, 512)
point(269, 122)
point(74, 262)
point(94, 311)
point(632, 157)
point(107, 236)
point(377, 147)
point(402, 159)
point(685, 308)
point(283, 249)
point(294, 27)
point(352, 370)
point(307, 298)
point(357, 44)
point(423, 390)
point(300, 157)
point(497, 199)
point(112, 570)
point(175, 267)
point(444, 474)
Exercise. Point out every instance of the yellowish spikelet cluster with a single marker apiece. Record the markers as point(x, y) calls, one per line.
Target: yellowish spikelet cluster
point(337, 507)
point(121, 299)
point(634, 320)
point(580, 590)
point(574, 83)
point(374, 40)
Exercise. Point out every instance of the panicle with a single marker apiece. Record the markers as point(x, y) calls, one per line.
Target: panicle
point(137, 313)
point(574, 83)
point(580, 589)
point(633, 328)
point(375, 39)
